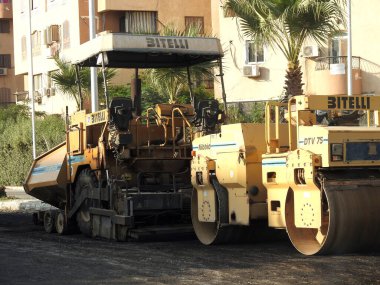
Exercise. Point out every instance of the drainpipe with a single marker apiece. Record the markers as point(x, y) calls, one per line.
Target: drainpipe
point(30, 75)
point(93, 70)
point(349, 50)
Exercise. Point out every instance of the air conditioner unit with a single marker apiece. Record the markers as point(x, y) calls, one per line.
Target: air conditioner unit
point(37, 96)
point(310, 51)
point(3, 71)
point(251, 70)
point(47, 92)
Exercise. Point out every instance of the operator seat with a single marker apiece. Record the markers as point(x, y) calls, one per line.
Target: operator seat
point(207, 115)
point(121, 112)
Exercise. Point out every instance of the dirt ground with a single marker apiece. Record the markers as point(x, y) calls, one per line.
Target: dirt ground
point(28, 255)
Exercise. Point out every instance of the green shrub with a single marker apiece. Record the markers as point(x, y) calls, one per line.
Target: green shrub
point(16, 155)
point(246, 112)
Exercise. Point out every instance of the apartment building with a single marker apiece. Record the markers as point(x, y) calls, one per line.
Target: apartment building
point(59, 26)
point(256, 73)
point(9, 84)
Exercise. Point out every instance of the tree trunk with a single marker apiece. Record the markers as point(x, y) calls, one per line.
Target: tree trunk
point(293, 81)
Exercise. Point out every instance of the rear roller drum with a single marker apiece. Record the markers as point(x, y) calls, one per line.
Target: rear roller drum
point(214, 232)
point(350, 219)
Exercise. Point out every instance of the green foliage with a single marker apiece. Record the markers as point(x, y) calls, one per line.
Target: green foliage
point(172, 82)
point(200, 93)
point(248, 112)
point(12, 112)
point(119, 91)
point(65, 79)
point(16, 154)
point(150, 97)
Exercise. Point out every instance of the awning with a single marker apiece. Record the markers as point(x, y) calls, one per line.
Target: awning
point(147, 51)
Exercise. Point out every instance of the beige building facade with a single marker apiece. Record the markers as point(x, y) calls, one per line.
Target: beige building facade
point(258, 73)
point(59, 26)
point(9, 84)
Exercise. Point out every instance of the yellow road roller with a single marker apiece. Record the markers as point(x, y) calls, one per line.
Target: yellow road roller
point(308, 170)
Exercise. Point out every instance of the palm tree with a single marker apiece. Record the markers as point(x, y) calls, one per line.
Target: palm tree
point(172, 81)
point(285, 25)
point(66, 81)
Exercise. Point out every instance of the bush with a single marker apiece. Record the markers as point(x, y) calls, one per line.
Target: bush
point(16, 148)
point(246, 112)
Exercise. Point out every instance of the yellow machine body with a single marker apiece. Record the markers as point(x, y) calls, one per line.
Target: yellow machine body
point(120, 171)
point(47, 178)
point(320, 182)
point(226, 174)
point(317, 184)
point(144, 156)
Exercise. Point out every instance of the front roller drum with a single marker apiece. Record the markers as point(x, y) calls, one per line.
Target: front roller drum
point(350, 219)
point(210, 233)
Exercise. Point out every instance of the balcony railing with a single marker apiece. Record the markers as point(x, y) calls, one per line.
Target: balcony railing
point(324, 63)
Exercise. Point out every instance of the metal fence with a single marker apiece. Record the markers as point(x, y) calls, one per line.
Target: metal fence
point(324, 63)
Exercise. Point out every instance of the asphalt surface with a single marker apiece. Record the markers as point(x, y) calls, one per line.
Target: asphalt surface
point(28, 255)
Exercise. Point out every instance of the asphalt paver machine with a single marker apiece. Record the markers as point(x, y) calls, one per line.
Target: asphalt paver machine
point(121, 174)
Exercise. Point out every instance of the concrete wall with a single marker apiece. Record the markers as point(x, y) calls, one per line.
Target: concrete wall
point(239, 88)
point(9, 83)
point(47, 14)
point(76, 14)
point(169, 11)
point(366, 44)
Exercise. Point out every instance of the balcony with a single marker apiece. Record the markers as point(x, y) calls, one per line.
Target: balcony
point(5, 10)
point(127, 5)
point(328, 75)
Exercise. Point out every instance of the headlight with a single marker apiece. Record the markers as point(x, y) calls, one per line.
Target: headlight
point(336, 152)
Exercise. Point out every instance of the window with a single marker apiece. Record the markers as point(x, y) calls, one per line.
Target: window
point(37, 81)
point(137, 22)
point(254, 52)
point(35, 4)
point(5, 95)
point(22, 4)
point(36, 42)
point(195, 22)
point(53, 3)
point(4, 26)
point(66, 34)
point(338, 47)
point(23, 47)
point(5, 60)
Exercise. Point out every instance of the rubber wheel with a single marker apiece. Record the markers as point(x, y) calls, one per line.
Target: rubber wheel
point(36, 220)
point(86, 180)
point(49, 222)
point(60, 224)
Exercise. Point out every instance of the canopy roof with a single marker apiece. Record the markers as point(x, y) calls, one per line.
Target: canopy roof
point(147, 51)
